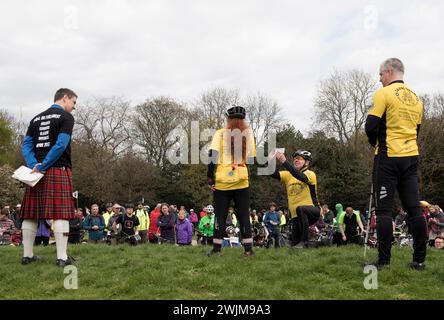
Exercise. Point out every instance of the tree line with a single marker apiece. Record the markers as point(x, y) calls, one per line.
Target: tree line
point(121, 152)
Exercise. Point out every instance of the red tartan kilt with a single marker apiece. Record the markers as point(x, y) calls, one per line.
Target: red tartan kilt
point(51, 197)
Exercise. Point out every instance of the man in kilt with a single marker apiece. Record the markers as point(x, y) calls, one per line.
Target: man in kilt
point(46, 148)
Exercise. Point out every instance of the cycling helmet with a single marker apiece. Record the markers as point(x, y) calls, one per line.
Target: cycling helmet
point(210, 209)
point(236, 112)
point(304, 154)
point(230, 230)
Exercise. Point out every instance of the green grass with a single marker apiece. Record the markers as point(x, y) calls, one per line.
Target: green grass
point(170, 272)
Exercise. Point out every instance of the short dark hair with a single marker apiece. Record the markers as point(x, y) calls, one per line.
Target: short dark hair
point(62, 92)
point(164, 205)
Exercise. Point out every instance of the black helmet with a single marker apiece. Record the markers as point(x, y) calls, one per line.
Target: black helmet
point(130, 205)
point(304, 154)
point(236, 112)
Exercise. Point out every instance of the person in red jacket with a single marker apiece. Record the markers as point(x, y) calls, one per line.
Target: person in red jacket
point(203, 213)
point(194, 219)
point(425, 212)
point(154, 230)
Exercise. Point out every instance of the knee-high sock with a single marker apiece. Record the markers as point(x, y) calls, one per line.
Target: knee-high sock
point(61, 227)
point(29, 229)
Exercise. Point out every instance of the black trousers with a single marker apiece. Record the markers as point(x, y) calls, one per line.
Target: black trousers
point(389, 175)
point(143, 236)
point(307, 215)
point(75, 237)
point(206, 240)
point(337, 239)
point(352, 238)
point(275, 234)
point(222, 201)
point(41, 240)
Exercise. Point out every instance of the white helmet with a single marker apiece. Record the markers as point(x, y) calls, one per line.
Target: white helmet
point(210, 208)
point(230, 230)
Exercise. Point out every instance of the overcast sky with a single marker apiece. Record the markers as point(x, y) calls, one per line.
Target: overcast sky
point(140, 49)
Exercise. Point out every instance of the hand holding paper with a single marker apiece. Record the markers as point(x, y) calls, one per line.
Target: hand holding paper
point(27, 176)
point(272, 154)
point(35, 170)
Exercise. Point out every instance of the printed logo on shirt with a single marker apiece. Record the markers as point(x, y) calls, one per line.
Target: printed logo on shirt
point(382, 193)
point(47, 117)
point(295, 188)
point(44, 131)
point(407, 96)
point(129, 224)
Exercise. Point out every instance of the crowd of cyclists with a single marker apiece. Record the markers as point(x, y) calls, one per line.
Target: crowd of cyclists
point(168, 224)
point(304, 224)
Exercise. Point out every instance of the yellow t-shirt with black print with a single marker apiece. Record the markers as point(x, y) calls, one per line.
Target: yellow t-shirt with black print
point(231, 176)
point(300, 193)
point(400, 110)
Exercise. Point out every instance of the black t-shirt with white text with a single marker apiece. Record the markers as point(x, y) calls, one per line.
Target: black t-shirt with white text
point(44, 130)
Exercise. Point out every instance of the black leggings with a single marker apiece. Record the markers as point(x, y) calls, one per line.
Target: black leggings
point(206, 240)
point(389, 175)
point(222, 200)
point(307, 215)
point(41, 240)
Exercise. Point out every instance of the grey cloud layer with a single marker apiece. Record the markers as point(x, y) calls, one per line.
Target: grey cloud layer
point(137, 49)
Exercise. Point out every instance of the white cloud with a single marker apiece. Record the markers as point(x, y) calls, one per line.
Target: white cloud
point(138, 49)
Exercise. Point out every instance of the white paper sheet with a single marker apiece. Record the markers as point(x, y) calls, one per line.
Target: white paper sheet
point(24, 175)
point(272, 154)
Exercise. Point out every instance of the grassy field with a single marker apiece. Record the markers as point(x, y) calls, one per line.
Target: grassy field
point(170, 272)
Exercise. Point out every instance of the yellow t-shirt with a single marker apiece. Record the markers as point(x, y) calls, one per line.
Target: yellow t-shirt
point(298, 192)
point(400, 111)
point(106, 217)
point(231, 176)
point(283, 221)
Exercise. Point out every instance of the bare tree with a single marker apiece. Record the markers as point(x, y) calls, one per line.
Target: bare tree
point(213, 104)
point(104, 125)
point(264, 114)
point(154, 121)
point(431, 144)
point(101, 136)
point(433, 106)
point(342, 103)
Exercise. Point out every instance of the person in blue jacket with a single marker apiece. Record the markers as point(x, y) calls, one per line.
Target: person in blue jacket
point(95, 224)
point(272, 221)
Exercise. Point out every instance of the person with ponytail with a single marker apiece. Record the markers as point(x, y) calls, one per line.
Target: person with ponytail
point(231, 150)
